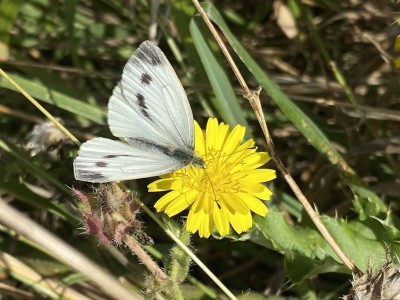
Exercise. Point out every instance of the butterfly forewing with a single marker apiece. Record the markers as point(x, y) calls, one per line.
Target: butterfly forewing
point(150, 102)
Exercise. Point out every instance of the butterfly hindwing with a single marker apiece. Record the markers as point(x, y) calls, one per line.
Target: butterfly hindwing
point(105, 160)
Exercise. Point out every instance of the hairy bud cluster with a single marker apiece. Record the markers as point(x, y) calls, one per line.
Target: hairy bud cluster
point(110, 213)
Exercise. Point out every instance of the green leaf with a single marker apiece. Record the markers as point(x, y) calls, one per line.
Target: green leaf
point(21, 192)
point(307, 253)
point(16, 188)
point(56, 98)
point(9, 11)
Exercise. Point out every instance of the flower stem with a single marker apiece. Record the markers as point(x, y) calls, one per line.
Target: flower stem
point(187, 251)
point(145, 258)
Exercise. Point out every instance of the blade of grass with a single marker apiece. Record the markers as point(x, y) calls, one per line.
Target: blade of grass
point(181, 14)
point(72, 105)
point(225, 102)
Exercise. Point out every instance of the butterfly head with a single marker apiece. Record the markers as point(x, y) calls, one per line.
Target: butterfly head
point(198, 162)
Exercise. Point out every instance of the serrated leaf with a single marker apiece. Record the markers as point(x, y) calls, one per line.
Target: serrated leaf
point(307, 253)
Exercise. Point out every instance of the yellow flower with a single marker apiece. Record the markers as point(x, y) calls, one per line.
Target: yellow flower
point(397, 48)
point(224, 193)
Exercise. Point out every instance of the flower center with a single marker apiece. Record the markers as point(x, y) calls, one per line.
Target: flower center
point(217, 177)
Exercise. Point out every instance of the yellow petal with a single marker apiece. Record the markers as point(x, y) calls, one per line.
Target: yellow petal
point(211, 133)
point(165, 200)
point(223, 131)
point(199, 203)
point(234, 203)
point(264, 195)
point(160, 185)
point(221, 221)
point(259, 175)
point(240, 222)
point(199, 145)
point(255, 160)
point(247, 144)
point(180, 203)
point(206, 226)
point(193, 221)
point(206, 202)
point(257, 189)
point(199, 222)
point(254, 204)
point(234, 139)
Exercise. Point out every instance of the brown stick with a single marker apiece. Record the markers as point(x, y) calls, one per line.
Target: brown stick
point(255, 102)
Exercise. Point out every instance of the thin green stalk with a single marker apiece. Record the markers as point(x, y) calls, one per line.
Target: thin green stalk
point(187, 251)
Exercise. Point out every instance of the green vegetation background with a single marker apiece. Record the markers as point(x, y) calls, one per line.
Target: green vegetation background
point(331, 100)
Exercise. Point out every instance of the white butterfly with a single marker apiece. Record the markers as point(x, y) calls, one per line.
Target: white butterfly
point(150, 112)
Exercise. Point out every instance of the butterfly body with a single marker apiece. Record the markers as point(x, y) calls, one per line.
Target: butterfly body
point(184, 155)
point(149, 111)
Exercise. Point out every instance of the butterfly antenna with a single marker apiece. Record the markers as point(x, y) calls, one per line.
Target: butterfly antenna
point(212, 186)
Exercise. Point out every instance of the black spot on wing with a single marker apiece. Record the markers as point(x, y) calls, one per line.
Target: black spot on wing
point(142, 105)
point(90, 175)
point(147, 53)
point(116, 156)
point(101, 164)
point(140, 100)
point(146, 78)
point(145, 113)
